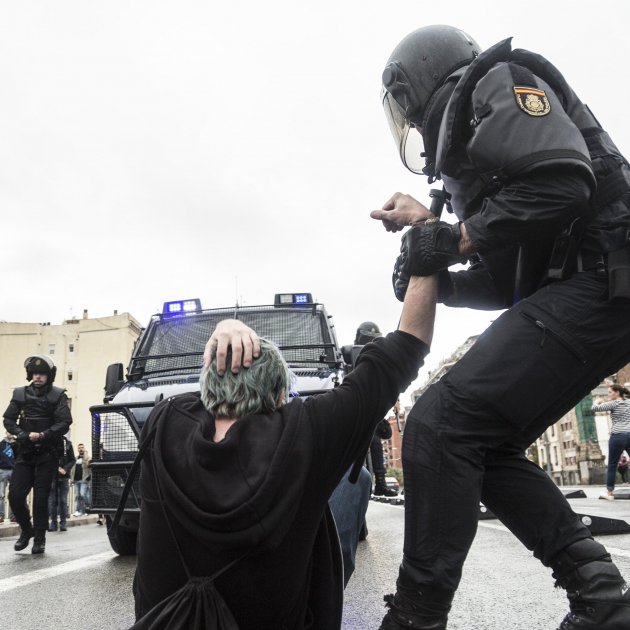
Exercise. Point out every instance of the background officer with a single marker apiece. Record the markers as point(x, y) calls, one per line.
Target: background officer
point(39, 416)
point(542, 198)
point(366, 332)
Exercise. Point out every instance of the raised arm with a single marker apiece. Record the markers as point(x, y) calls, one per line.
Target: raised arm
point(418, 312)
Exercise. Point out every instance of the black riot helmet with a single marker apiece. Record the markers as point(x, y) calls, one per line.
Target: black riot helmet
point(366, 332)
point(40, 364)
point(419, 66)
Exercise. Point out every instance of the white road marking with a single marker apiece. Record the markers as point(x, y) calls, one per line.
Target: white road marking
point(8, 584)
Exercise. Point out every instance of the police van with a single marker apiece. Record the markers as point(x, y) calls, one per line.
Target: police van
point(167, 360)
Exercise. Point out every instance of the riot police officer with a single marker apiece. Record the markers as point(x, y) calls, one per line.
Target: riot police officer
point(39, 416)
point(542, 200)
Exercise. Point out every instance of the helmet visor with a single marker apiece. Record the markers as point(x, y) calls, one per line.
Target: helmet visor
point(407, 137)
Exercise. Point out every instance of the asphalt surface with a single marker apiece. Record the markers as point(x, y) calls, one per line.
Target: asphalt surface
point(503, 585)
point(81, 583)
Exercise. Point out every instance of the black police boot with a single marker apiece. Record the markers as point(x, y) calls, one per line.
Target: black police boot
point(416, 608)
point(25, 535)
point(39, 543)
point(380, 486)
point(599, 597)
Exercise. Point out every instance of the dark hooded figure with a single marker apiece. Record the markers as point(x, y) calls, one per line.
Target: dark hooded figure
point(243, 475)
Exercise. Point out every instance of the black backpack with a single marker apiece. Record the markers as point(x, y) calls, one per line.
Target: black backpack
point(197, 604)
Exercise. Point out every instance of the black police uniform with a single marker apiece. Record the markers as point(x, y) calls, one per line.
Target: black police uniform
point(545, 197)
point(41, 410)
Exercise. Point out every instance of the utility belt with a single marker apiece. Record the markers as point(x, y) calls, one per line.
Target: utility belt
point(591, 261)
point(567, 258)
point(616, 264)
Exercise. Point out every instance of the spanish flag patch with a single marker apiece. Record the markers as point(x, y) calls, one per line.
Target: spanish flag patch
point(532, 101)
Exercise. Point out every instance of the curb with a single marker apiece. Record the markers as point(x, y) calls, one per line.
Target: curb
point(13, 529)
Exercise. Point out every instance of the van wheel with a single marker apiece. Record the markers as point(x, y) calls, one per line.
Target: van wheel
point(124, 542)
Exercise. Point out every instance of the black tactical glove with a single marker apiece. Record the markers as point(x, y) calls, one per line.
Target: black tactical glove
point(426, 249)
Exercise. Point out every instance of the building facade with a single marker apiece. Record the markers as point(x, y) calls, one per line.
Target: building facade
point(392, 448)
point(80, 348)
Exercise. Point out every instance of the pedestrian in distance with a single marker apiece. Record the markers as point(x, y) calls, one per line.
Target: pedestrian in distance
point(81, 474)
point(541, 197)
point(39, 416)
point(237, 478)
point(58, 497)
point(619, 441)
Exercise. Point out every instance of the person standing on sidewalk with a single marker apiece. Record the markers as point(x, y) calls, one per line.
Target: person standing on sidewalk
point(38, 415)
point(619, 407)
point(58, 498)
point(80, 480)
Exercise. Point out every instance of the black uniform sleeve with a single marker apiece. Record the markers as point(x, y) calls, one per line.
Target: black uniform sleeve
point(71, 460)
point(11, 416)
point(471, 288)
point(541, 202)
point(345, 418)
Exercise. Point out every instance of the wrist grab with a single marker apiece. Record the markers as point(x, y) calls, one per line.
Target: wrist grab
point(426, 249)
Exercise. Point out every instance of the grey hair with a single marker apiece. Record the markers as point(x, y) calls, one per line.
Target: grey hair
point(253, 390)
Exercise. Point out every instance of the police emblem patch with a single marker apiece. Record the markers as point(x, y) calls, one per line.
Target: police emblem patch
point(532, 101)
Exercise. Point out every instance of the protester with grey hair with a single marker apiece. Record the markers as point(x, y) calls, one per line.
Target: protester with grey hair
point(239, 477)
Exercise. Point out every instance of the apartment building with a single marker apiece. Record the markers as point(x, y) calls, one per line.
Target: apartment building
point(81, 349)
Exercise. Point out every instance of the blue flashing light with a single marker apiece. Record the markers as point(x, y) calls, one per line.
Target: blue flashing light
point(296, 300)
point(181, 307)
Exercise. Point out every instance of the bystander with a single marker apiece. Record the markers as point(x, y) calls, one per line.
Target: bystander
point(81, 481)
point(58, 497)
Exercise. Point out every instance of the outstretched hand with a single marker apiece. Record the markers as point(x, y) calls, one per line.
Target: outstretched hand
point(401, 210)
point(242, 339)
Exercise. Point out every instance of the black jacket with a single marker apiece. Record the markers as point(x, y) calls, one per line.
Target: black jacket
point(264, 487)
point(40, 410)
point(521, 171)
point(66, 458)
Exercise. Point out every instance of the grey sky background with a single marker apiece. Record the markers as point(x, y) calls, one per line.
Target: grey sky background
point(156, 150)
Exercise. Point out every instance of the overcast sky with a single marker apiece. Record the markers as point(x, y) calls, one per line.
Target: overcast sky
point(156, 150)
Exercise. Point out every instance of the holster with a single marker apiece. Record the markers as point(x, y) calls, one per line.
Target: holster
point(619, 273)
point(563, 257)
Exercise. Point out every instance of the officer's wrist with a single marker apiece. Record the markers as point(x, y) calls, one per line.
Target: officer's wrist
point(465, 245)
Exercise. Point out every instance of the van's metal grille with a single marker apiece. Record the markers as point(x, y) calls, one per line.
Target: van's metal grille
point(113, 438)
point(107, 487)
point(176, 344)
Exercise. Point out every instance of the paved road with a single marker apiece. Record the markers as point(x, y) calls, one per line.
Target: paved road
point(80, 583)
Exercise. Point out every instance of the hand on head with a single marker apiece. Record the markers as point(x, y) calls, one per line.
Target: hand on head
point(241, 338)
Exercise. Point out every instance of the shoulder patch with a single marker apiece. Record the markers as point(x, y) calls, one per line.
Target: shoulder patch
point(532, 101)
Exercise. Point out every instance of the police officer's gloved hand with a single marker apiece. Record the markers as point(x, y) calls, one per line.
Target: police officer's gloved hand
point(426, 249)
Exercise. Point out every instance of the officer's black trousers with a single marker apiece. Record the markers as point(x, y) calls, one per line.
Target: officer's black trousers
point(34, 472)
point(465, 438)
